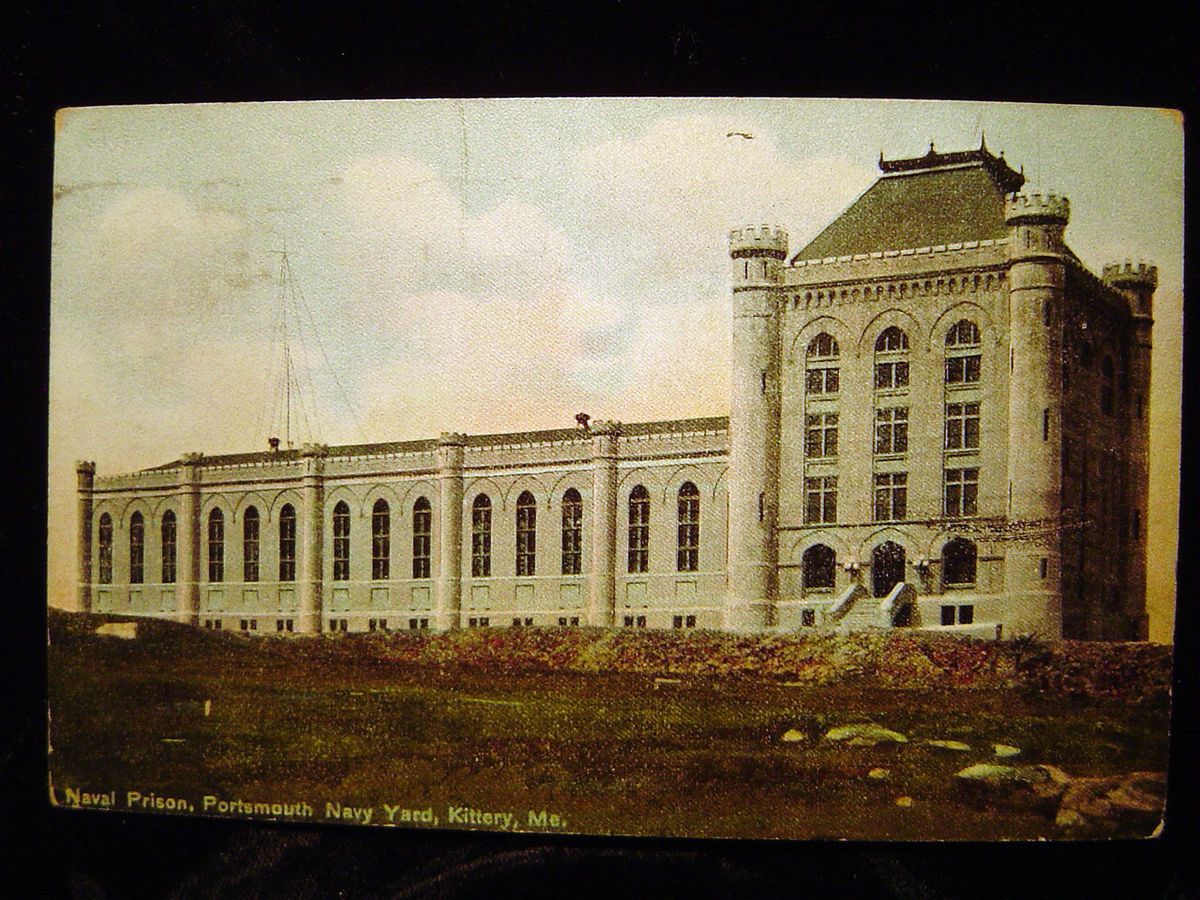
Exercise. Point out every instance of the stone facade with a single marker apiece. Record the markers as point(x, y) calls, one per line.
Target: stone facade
point(947, 434)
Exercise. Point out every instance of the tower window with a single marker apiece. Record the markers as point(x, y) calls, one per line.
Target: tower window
point(961, 492)
point(104, 556)
point(250, 533)
point(963, 358)
point(891, 359)
point(891, 430)
point(481, 537)
point(639, 530)
point(287, 543)
point(526, 534)
point(572, 532)
point(891, 496)
point(421, 542)
point(341, 541)
point(962, 426)
point(821, 435)
point(820, 499)
point(687, 556)
point(821, 370)
point(216, 546)
point(137, 549)
point(381, 540)
point(168, 547)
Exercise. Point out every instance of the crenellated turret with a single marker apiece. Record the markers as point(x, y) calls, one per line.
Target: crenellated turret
point(757, 255)
point(1138, 283)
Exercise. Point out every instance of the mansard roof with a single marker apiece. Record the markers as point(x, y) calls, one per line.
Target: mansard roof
point(634, 429)
point(938, 198)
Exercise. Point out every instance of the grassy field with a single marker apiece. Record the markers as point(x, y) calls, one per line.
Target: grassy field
point(353, 720)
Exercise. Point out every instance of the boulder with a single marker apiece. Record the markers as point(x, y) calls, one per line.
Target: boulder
point(991, 784)
point(949, 745)
point(792, 735)
point(865, 734)
point(1005, 751)
point(1115, 802)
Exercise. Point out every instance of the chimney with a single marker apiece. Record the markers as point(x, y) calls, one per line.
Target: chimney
point(274, 442)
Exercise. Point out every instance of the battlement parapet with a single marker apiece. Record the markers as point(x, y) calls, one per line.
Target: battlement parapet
point(319, 451)
point(85, 467)
point(1037, 208)
point(1128, 275)
point(451, 439)
point(606, 427)
point(762, 240)
point(191, 459)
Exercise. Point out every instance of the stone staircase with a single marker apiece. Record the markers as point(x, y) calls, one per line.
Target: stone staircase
point(857, 610)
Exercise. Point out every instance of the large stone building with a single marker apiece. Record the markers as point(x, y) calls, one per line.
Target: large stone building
point(938, 420)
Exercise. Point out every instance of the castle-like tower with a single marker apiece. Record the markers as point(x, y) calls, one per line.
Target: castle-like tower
point(757, 256)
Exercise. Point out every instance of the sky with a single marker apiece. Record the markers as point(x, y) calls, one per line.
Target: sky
point(495, 265)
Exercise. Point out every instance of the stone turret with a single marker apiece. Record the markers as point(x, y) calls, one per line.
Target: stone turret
point(309, 620)
point(448, 586)
point(602, 599)
point(85, 479)
point(1138, 283)
point(1035, 309)
point(757, 255)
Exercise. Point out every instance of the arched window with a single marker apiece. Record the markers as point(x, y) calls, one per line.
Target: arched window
point(287, 543)
point(1085, 353)
point(818, 567)
point(526, 534)
point(341, 541)
point(639, 529)
point(481, 537)
point(687, 554)
point(822, 375)
point(168, 547)
point(958, 562)
point(381, 540)
point(887, 568)
point(572, 532)
point(216, 546)
point(963, 357)
point(137, 549)
point(104, 561)
point(891, 359)
point(1107, 394)
point(422, 538)
point(250, 545)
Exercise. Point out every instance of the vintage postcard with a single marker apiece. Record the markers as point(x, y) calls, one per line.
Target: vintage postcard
point(715, 468)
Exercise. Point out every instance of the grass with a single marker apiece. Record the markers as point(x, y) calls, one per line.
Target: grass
point(342, 720)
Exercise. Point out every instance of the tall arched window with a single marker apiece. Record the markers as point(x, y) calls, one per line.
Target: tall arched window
point(104, 560)
point(381, 540)
point(818, 567)
point(687, 554)
point(168, 547)
point(526, 534)
point(422, 538)
point(891, 359)
point(481, 537)
point(216, 546)
point(250, 534)
point(822, 375)
point(639, 530)
point(963, 357)
point(287, 543)
point(137, 549)
point(341, 541)
point(958, 562)
point(572, 532)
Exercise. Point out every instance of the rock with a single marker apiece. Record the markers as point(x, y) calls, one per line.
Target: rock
point(127, 630)
point(904, 801)
point(949, 745)
point(991, 784)
point(865, 734)
point(878, 774)
point(792, 735)
point(1115, 802)
point(1005, 751)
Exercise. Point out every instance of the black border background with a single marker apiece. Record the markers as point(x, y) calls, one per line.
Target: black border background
point(117, 53)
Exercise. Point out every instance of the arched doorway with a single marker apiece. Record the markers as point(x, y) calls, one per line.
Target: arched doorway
point(887, 568)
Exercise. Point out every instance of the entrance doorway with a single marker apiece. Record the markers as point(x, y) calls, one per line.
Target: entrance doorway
point(887, 567)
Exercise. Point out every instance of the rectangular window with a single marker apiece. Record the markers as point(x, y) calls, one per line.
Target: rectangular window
point(689, 621)
point(820, 499)
point(641, 621)
point(821, 435)
point(963, 369)
point(279, 625)
point(250, 545)
point(1045, 424)
point(677, 622)
point(341, 543)
point(1042, 565)
point(481, 541)
point(287, 544)
point(808, 617)
point(822, 380)
point(422, 539)
point(891, 496)
point(216, 548)
point(516, 623)
point(572, 534)
point(891, 430)
point(639, 530)
point(526, 539)
point(381, 543)
point(687, 555)
point(961, 492)
point(966, 614)
point(628, 621)
point(947, 615)
point(962, 426)
point(891, 375)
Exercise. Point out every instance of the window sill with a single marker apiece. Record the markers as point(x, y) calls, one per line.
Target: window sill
point(892, 457)
point(891, 391)
point(961, 451)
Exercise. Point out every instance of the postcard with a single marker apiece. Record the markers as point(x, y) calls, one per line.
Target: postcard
point(738, 468)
